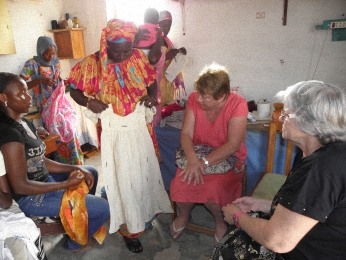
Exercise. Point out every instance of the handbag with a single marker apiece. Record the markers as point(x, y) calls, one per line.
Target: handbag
point(232, 162)
point(238, 245)
point(59, 116)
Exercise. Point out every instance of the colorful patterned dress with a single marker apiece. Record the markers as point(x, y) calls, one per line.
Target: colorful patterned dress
point(69, 152)
point(134, 186)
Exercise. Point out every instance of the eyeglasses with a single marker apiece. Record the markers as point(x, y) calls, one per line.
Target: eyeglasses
point(284, 115)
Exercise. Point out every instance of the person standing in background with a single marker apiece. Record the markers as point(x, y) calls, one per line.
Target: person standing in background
point(169, 90)
point(42, 74)
point(152, 45)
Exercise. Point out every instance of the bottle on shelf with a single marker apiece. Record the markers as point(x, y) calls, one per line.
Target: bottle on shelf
point(75, 22)
point(69, 21)
point(63, 23)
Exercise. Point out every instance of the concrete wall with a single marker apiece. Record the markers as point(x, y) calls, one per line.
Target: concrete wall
point(262, 55)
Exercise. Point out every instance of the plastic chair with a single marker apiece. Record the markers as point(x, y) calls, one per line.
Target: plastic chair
point(269, 183)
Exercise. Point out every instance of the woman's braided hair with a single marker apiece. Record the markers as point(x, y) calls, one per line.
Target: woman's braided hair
point(5, 80)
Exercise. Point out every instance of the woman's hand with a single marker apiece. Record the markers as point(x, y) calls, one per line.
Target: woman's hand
point(229, 211)
point(194, 171)
point(141, 35)
point(88, 177)
point(47, 81)
point(148, 101)
point(41, 132)
point(171, 54)
point(183, 51)
point(75, 178)
point(96, 106)
point(247, 204)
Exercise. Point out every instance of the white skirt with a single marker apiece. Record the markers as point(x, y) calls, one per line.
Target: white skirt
point(131, 171)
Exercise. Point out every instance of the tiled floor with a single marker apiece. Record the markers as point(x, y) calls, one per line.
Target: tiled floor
point(157, 243)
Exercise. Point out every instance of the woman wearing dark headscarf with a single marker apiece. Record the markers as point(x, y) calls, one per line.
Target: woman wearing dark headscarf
point(169, 90)
point(42, 74)
point(118, 83)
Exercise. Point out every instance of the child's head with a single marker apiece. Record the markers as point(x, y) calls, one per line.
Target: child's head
point(151, 15)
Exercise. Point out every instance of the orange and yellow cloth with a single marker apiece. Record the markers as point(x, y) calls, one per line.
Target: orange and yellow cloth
point(74, 215)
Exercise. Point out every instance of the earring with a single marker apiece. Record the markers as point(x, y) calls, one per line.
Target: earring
point(5, 103)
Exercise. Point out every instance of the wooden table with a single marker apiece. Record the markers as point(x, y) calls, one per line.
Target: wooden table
point(258, 126)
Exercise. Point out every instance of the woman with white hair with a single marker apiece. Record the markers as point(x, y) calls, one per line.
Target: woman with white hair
point(308, 212)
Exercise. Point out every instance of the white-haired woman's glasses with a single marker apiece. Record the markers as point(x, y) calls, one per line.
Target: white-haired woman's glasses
point(285, 115)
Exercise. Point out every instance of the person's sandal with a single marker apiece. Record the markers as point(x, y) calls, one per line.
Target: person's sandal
point(175, 230)
point(216, 240)
point(133, 244)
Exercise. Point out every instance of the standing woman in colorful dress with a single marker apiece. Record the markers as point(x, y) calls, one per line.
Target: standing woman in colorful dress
point(118, 84)
point(169, 90)
point(42, 74)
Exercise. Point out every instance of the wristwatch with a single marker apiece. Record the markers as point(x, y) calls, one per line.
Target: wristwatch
point(205, 161)
point(236, 217)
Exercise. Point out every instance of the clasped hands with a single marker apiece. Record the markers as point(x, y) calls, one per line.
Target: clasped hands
point(244, 204)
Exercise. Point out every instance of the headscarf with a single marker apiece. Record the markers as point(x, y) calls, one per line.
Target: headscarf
point(116, 31)
point(165, 15)
point(43, 43)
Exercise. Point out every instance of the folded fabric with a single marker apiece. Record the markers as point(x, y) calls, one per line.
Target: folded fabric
point(169, 109)
point(19, 226)
point(74, 215)
point(59, 115)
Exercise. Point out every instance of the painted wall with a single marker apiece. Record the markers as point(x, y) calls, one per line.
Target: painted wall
point(262, 55)
point(31, 19)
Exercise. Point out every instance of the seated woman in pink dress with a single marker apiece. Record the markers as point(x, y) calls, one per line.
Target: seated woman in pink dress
point(215, 117)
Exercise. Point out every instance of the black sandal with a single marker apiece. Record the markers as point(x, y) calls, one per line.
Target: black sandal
point(133, 244)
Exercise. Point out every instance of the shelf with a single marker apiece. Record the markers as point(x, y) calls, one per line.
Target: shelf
point(65, 30)
point(70, 43)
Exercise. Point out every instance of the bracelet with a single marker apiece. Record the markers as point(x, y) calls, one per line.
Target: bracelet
point(87, 104)
point(236, 217)
point(205, 161)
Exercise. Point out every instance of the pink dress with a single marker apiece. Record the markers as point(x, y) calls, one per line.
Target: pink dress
point(220, 188)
